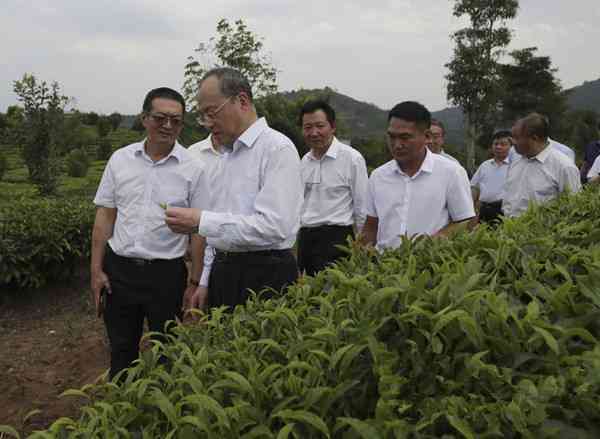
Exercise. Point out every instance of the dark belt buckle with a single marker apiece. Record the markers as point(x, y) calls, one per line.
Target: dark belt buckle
point(141, 262)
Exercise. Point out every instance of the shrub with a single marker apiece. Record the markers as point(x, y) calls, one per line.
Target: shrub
point(3, 165)
point(43, 239)
point(104, 149)
point(491, 334)
point(78, 163)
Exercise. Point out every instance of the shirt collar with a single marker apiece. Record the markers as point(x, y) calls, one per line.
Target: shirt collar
point(176, 151)
point(332, 151)
point(426, 166)
point(207, 145)
point(505, 161)
point(543, 154)
point(249, 136)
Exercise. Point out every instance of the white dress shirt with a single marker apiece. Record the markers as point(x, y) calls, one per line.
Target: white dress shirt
point(439, 193)
point(137, 186)
point(562, 148)
point(595, 169)
point(490, 179)
point(335, 187)
point(538, 179)
point(212, 161)
point(257, 205)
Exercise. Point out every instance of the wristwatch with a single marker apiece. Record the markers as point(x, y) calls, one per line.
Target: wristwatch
point(194, 282)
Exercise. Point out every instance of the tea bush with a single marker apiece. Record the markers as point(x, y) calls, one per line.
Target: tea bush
point(43, 239)
point(493, 334)
point(3, 165)
point(77, 163)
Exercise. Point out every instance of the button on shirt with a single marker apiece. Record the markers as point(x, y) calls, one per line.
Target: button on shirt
point(257, 205)
point(490, 178)
point(439, 193)
point(540, 178)
point(137, 186)
point(335, 187)
point(212, 164)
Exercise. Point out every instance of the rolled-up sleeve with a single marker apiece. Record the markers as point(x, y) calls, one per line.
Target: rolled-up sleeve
point(570, 180)
point(371, 209)
point(276, 213)
point(105, 195)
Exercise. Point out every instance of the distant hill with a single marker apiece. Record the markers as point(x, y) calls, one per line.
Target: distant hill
point(585, 96)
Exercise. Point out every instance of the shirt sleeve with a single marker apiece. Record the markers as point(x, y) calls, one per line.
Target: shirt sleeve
point(276, 213)
point(371, 209)
point(570, 179)
point(209, 257)
point(200, 190)
point(360, 181)
point(595, 169)
point(105, 195)
point(476, 179)
point(458, 196)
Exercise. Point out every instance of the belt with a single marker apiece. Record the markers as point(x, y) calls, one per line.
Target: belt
point(326, 227)
point(140, 262)
point(221, 255)
point(492, 203)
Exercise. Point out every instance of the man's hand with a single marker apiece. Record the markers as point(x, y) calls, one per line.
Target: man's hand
point(183, 220)
point(195, 298)
point(99, 280)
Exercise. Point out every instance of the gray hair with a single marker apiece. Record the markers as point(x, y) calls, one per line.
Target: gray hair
point(232, 82)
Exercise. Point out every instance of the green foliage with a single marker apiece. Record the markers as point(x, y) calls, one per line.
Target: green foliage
point(492, 334)
point(43, 239)
point(115, 120)
point(104, 149)
point(474, 72)
point(3, 165)
point(103, 126)
point(234, 46)
point(38, 132)
point(78, 163)
point(91, 118)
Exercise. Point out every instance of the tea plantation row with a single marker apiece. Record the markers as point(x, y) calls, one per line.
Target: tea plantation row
point(492, 334)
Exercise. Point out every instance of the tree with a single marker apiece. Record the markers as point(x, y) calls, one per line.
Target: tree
point(103, 126)
point(43, 106)
point(529, 85)
point(234, 46)
point(115, 120)
point(90, 118)
point(474, 73)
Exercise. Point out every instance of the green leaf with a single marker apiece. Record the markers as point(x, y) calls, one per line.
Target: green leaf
point(285, 432)
point(365, 430)
point(548, 338)
point(304, 417)
point(7, 429)
point(74, 392)
point(461, 426)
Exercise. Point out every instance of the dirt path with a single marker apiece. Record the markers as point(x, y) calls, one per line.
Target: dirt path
point(50, 341)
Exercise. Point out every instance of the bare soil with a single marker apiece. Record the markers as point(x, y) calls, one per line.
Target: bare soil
point(50, 341)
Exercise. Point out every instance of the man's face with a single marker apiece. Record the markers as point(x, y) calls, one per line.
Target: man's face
point(500, 147)
point(437, 138)
point(317, 131)
point(164, 121)
point(405, 140)
point(521, 139)
point(222, 114)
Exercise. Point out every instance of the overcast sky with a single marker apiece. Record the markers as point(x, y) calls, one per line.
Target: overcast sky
point(108, 54)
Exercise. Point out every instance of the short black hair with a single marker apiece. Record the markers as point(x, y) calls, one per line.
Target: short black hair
point(411, 111)
point(231, 82)
point(438, 123)
point(501, 134)
point(535, 124)
point(315, 105)
point(162, 92)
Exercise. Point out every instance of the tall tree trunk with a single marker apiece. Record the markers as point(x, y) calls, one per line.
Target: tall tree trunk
point(471, 139)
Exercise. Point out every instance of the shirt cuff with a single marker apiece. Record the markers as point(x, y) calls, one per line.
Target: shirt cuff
point(205, 277)
point(210, 224)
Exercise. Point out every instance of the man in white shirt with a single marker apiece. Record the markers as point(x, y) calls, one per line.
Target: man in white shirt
point(210, 153)
point(438, 139)
point(256, 214)
point(137, 267)
point(567, 151)
point(488, 181)
point(418, 192)
point(541, 172)
point(335, 188)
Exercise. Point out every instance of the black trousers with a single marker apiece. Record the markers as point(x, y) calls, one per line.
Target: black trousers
point(490, 212)
point(233, 275)
point(317, 246)
point(152, 290)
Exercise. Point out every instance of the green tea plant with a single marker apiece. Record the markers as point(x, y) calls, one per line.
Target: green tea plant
point(492, 334)
point(77, 163)
point(43, 239)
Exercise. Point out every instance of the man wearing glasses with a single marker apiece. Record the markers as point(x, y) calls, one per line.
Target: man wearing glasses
point(137, 267)
point(256, 212)
point(335, 189)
